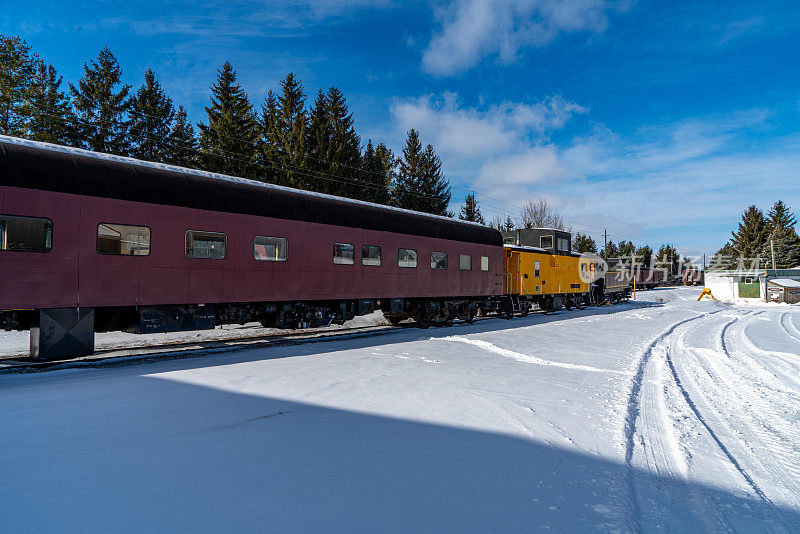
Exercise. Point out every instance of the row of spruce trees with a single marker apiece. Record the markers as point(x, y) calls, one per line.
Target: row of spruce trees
point(285, 142)
point(759, 238)
point(667, 257)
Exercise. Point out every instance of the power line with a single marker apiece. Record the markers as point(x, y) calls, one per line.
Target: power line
point(315, 173)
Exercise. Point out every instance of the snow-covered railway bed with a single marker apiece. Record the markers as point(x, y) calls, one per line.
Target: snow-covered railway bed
point(131, 353)
point(661, 414)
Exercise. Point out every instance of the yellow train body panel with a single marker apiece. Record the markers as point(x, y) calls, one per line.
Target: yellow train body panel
point(529, 272)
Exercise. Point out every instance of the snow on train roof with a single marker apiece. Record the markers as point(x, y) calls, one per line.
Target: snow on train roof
point(526, 248)
point(213, 175)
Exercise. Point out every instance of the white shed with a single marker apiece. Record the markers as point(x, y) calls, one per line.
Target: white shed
point(731, 286)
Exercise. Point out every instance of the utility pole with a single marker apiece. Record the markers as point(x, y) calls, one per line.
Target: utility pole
point(605, 239)
point(772, 249)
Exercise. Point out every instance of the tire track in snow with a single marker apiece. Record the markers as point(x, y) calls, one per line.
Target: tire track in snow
point(633, 410)
point(526, 358)
point(722, 343)
point(752, 483)
point(791, 330)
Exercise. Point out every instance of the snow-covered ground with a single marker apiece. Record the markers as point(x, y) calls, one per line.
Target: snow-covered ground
point(661, 414)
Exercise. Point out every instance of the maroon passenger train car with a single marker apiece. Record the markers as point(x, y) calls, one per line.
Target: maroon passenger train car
point(92, 242)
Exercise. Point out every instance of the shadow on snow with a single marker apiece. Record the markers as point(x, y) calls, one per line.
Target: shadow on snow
point(141, 453)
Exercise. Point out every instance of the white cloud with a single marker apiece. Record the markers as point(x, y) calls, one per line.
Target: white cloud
point(737, 28)
point(478, 133)
point(473, 29)
point(685, 182)
point(534, 166)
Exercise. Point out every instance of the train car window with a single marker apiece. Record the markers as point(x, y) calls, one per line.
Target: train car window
point(484, 263)
point(546, 241)
point(438, 260)
point(344, 254)
point(25, 234)
point(270, 248)
point(563, 244)
point(123, 239)
point(466, 262)
point(206, 245)
point(406, 257)
point(370, 255)
point(536, 266)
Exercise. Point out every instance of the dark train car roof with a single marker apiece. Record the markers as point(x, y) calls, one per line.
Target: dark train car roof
point(532, 237)
point(43, 166)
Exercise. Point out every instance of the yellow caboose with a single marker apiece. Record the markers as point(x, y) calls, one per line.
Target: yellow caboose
point(540, 269)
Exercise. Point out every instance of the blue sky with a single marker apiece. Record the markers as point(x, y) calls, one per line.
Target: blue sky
point(659, 120)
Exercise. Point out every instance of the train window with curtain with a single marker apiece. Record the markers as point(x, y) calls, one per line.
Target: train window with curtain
point(546, 241)
point(344, 254)
point(484, 263)
point(123, 239)
point(563, 244)
point(370, 255)
point(536, 269)
point(206, 245)
point(406, 257)
point(270, 248)
point(25, 234)
point(438, 260)
point(466, 262)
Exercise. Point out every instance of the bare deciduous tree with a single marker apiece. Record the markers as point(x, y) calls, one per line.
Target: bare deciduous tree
point(540, 214)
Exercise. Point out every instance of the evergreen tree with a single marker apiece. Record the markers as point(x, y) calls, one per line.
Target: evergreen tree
point(288, 135)
point(409, 176)
point(151, 118)
point(267, 153)
point(583, 243)
point(724, 259)
point(626, 248)
point(318, 137)
point(229, 141)
point(752, 235)
point(435, 188)
point(645, 255)
point(669, 259)
point(784, 243)
point(50, 118)
point(470, 211)
point(334, 147)
point(377, 167)
point(101, 103)
point(182, 142)
point(610, 250)
point(780, 216)
point(17, 68)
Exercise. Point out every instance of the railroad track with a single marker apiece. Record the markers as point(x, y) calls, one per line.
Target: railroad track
point(124, 356)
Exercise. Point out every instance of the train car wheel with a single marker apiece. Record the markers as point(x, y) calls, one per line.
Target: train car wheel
point(422, 318)
point(470, 315)
point(508, 309)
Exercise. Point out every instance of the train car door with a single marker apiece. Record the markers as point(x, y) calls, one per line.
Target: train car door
point(511, 280)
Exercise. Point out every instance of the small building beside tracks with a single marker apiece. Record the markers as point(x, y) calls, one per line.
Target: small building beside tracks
point(783, 290)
